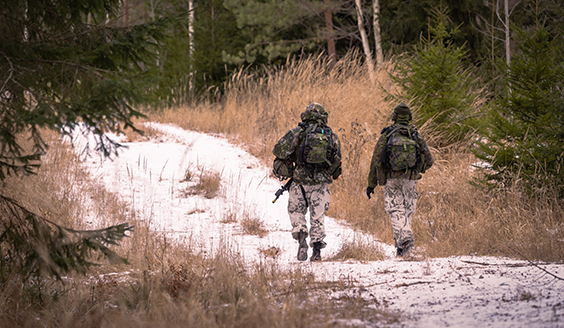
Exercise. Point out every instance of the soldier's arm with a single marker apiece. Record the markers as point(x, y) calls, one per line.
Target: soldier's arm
point(429, 160)
point(337, 144)
point(376, 157)
point(286, 146)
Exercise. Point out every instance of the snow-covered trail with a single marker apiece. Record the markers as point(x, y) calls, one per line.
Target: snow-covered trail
point(148, 175)
point(445, 292)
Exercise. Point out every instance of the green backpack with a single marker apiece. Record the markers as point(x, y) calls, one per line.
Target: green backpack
point(317, 146)
point(402, 151)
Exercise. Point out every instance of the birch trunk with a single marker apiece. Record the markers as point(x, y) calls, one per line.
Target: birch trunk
point(191, 44)
point(364, 38)
point(507, 36)
point(330, 37)
point(126, 12)
point(377, 33)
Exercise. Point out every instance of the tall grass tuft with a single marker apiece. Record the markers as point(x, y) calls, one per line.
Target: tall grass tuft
point(359, 248)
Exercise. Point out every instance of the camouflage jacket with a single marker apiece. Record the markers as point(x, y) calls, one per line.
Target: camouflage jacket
point(287, 148)
point(379, 172)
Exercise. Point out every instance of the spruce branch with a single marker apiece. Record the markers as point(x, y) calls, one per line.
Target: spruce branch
point(33, 245)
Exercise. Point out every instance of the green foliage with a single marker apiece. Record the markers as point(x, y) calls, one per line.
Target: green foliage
point(215, 32)
point(175, 61)
point(525, 138)
point(273, 29)
point(404, 22)
point(438, 85)
point(35, 246)
point(63, 62)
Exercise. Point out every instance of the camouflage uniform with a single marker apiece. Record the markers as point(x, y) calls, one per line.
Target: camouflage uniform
point(310, 187)
point(317, 197)
point(400, 200)
point(400, 197)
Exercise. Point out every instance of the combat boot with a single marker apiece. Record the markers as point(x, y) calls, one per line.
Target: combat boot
point(406, 249)
point(399, 251)
point(316, 255)
point(302, 248)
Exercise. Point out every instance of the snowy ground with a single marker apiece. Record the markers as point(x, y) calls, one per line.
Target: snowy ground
point(442, 292)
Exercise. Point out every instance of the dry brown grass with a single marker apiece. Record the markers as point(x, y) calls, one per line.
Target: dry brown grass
point(171, 285)
point(208, 184)
point(167, 284)
point(256, 112)
point(453, 216)
point(253, 225)
point(147, 132)
point(229, 216)
point(359, 248)
point(272, 252)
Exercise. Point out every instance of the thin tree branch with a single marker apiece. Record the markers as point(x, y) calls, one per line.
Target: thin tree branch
point(11, 71)
point(535, 265)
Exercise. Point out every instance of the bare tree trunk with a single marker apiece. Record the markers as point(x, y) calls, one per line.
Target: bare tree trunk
point(364, 38)
point(330, 36)
point(126, 12)
point(493, 36)
point(212, 14)
point(377, 34)
point(152, 16)
point(191, 44)
point(507, 36)
point(505, 21)
point(152, 13)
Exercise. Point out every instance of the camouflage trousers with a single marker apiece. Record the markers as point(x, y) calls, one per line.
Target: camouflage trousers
point(400, 200)
point(314, 198)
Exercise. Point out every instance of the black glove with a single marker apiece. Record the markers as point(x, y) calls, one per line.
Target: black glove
point(369, 190)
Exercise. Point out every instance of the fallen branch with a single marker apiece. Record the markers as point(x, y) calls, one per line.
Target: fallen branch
point(536, 265)
point(516, 265)
point(413, 283)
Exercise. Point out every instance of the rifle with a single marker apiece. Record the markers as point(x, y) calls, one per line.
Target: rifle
point(280, 191)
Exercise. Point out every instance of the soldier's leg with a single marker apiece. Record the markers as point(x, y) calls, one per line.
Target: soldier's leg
point(297, 210)
point(394, 204)
point(319, 197)
point(410, 202)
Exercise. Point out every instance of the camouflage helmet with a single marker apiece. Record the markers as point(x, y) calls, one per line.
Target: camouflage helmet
point(315, 113)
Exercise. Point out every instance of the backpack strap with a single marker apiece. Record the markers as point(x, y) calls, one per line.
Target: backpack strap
point(415, 137)
point(388, 132)
point(304, 140)
point(330, 149)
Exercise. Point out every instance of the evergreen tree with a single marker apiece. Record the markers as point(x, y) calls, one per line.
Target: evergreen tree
point(33, 246)
point(436, 83)
point(525, 138)
point(64, 63)
point(403, 23)
point(273, 29)
point(215, 33)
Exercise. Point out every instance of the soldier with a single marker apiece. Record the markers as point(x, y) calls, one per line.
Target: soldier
point(400, 157)
point(309, 154)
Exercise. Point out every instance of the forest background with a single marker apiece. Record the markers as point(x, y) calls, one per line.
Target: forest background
point(484, 79)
